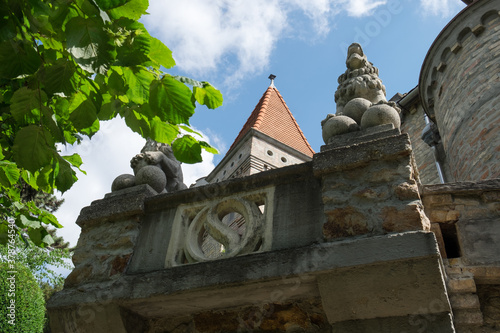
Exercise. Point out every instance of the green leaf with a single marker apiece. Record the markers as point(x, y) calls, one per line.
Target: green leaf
point(83, 113)
point(17, 58)
point(29, 178)
point(29, 223)
point(75, 161)
point(187, 80)
point(137, 122)
point(133, 9)
point(170, 100)
point(190, 130)
point(89, 44)
point(161, 54)
point(208, 96)
point(65, 175)
point(208, 147)
point(9, 173)
point(163, 132)
point(60, 77)
point(40, 237)
point(25, 105)
point(49, 120)
point(109, 4)
point(48, 218)
point(187, 149)
point(134, 49)
point(138, 82)
point(33, 148)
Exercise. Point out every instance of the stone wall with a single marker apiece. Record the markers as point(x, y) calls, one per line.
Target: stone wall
point(296, 266)
point(413, 123)
point(466, 219)
point(460, 86)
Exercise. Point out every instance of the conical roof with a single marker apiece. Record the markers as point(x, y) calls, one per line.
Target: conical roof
point(272, 117)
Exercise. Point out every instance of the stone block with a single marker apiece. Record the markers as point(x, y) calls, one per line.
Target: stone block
point(404, 218)
point(437, 199)
point(480, 241)
point(461, 285)
point(347, 158)
point(117, 205)
point(464, 301)
point(468, 317)
point(417, 323)
point(345, 222)
point(384, 290)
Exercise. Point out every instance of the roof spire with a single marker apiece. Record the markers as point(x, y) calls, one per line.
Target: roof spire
point(272, 77)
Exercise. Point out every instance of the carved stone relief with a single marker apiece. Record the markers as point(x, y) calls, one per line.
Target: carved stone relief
point(221, 228)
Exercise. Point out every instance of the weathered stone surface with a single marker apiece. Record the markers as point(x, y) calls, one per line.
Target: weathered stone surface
point(480, 240)
point(383, 290)
point(409, 217)
point(345, 222)
point(407, 191)
point(361, 154)
point(118, 205)
point(247, 279)
point(416, 323)
point(123, 181)
point(379, 115)
point(337, 125)
point(362, 136)
point(153, 176)
point(355, 108)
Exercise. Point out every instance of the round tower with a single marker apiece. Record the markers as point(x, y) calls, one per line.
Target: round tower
point(460, 90)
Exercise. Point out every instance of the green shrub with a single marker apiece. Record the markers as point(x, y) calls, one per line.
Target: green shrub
point(28, 314)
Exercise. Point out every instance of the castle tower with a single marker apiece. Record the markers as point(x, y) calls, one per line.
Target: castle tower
point(270, 139)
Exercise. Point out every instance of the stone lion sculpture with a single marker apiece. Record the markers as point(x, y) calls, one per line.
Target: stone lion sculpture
point(156, 166)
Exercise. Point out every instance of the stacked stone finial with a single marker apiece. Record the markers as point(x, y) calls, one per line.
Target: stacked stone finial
point(360, 99)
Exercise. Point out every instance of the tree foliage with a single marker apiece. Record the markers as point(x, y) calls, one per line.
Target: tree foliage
point(65, 65)
point(22, 305)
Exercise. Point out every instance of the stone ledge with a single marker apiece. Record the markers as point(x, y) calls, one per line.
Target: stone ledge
point(250, 278)
point(369, 134)
point(357, 155)
point(462, 188)
point(115, 206)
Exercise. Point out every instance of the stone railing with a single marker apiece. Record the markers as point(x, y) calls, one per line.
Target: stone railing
point(310, 246)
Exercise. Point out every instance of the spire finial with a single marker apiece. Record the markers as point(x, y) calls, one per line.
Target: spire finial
point(272, 77)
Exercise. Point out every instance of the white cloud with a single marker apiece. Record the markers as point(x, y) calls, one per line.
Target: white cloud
point(106, 156)
point(443, 8)
point(358, 8)
point(208, 35)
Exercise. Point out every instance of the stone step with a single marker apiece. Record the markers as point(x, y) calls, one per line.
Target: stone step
point(464, 301)
point(460, 284)
point(467, 318)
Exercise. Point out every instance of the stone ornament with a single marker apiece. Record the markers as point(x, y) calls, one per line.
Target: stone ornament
point(156, 166)
point(193, 224)
point(360, 99)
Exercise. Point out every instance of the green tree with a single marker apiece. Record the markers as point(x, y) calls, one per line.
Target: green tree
point(66, 65)
point(21, 301)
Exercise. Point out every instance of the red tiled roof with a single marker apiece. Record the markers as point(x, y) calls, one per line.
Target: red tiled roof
point(272, 117)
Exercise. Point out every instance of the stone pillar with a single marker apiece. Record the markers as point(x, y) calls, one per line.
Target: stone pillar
point(369, 184)
point(110, 229)
point(369, 188)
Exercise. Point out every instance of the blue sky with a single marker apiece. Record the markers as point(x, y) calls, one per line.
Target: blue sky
point(236, 44)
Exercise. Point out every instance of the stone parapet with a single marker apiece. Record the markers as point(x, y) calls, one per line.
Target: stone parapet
point(336, 244)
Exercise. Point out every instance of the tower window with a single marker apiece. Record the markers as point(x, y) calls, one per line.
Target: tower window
point(270, 153)
point(283, 159)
